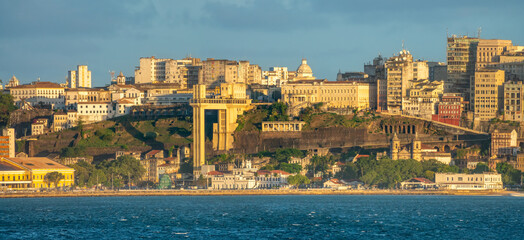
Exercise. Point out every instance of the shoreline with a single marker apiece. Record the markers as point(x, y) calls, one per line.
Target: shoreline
point(261, 192)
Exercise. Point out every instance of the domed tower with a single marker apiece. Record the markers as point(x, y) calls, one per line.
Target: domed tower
point(304, 72)
point(416, 148)
point(394, 147)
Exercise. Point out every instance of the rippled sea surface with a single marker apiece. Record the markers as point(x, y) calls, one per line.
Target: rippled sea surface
point(264, 217)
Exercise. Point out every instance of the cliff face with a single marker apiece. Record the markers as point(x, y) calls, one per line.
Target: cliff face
point(21, 120)
point(334, 137)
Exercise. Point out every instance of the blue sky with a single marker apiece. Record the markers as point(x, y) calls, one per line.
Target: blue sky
point(47, 38)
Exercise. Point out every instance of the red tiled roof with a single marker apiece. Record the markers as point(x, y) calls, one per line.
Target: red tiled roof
point(280, 172)
point(153, 152)
point(424, 180)
point(215, 173)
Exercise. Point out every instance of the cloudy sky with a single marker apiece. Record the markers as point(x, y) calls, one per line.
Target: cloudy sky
point(45, 39)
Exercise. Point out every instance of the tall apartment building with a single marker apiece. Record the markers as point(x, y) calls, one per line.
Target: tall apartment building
point(165, 70)
point(489, 51)
point(487, 93)
point(7, 142)
point(511, 61)
point(400, 70)
point(513, 101)
point(79, 78)
point(461, 62)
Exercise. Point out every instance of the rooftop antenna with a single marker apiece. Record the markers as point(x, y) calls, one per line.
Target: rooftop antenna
point(447, 33)
point(403, 45)
point(479, 31)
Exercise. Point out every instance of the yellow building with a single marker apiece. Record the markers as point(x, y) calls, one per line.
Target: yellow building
point(79, 78)
point(337, 94)
point(487, 94)
point(24, 173)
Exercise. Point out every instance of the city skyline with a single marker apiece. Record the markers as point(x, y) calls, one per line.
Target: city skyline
point(46, 39)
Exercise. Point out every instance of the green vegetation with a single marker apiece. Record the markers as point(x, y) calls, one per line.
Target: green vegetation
point(125, 133)
point(6, 107)
point(53, 177)
point(110, 173)
point(279, 160)
point(252, 120)
point(277, 112)
point(387, 173)
point(320, 164)
point(298, 180)
point(510, 175)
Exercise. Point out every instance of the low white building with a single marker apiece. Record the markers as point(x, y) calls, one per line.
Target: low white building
point(271, 179)
point(462, 181)
point(220, 181)
point(90, 112)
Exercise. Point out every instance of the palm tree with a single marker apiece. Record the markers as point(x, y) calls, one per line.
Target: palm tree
point(53, 177)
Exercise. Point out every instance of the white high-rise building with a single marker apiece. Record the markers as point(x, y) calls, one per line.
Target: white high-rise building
point(81, 78)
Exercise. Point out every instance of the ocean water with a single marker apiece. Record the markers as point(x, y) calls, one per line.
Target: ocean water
point(264, 217)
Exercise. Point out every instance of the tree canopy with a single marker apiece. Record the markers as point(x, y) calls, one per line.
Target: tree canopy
point(6, 107)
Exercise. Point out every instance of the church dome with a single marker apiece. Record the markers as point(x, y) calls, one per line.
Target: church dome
point(304, 68)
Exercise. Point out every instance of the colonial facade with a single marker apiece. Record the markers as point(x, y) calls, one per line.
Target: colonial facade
point(24, 173)
point(463, 181)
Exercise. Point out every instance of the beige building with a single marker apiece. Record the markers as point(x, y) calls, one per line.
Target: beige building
point(276, 76)
point(400, 70)
point(83, 95)
point(276, 126)
point(487, 93)
point(463, 181)
point(46, 93)
point(13, 82)
point(356, 95)
point(489, 51)
point(165, 70)
point(513, 101)
point(423, 98)
point(502, 140)
point(79, 78)
point(303, 72)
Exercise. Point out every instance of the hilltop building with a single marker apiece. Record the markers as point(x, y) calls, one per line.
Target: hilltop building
point(513, 101)
point(487, 93)
point(461, 62)
point(422, 98)
point(400, 70)
point(503, 141)
point(79, 78)
point(38, 93)
point(299, 94)
point(13, 82)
